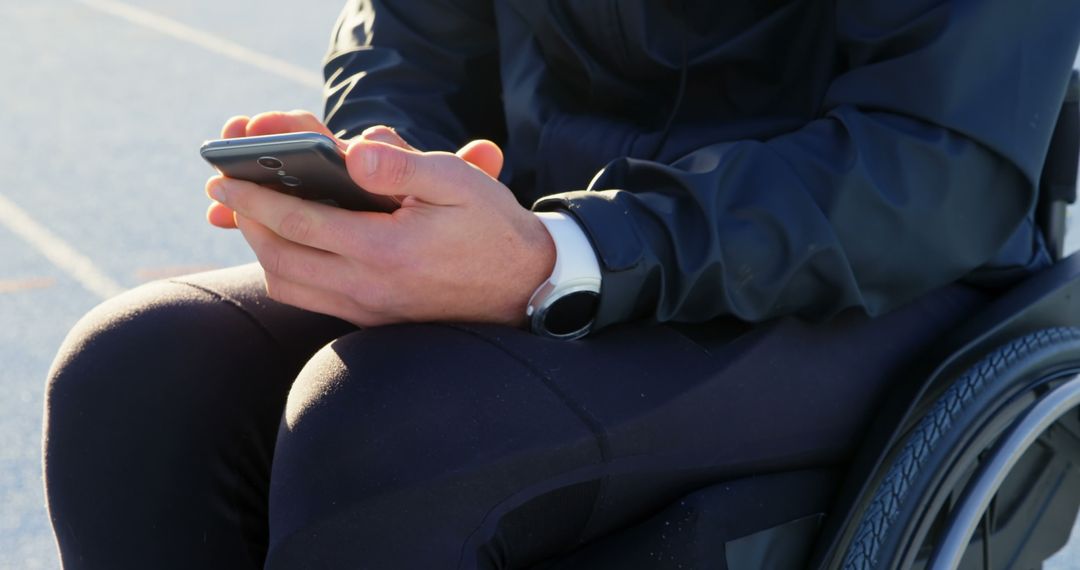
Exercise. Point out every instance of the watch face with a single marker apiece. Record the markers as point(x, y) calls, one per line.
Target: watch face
point(571, 314)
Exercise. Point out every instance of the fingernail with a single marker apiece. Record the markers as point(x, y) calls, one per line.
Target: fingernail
point(217, 192)
point(371, 160)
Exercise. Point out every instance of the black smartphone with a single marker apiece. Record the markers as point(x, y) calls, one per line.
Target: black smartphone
point(307, 165)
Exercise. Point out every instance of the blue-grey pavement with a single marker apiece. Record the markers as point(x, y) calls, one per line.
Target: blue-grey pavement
point(101, 121)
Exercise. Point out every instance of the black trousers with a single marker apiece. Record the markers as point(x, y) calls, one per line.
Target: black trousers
point(193, 423)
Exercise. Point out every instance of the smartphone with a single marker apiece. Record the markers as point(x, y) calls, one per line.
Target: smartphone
point(306, 165)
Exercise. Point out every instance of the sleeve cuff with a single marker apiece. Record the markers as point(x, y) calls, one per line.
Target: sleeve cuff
point(628, 292)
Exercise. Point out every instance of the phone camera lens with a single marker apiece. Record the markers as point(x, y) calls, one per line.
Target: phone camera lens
point(290, 181)
point(270, 163)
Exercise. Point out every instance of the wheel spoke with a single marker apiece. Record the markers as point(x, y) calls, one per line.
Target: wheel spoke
point(987, 528)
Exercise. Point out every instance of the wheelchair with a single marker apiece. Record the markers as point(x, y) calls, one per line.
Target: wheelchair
point(977, 464)
point(972, 463)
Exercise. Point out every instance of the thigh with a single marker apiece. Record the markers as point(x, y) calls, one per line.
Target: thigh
point(479, 446)
point(162, 406)
point(294, 334)
point(396, 440)
point(675, 408)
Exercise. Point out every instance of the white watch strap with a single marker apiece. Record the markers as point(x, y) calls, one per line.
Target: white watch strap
point(575, 260)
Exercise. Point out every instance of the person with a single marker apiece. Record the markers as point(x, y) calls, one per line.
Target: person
point(752, 212)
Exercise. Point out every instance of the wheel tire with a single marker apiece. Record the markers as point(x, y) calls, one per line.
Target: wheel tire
point(964, 420)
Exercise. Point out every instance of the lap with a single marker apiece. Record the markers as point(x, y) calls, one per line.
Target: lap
point(521, 446)
point(544, 445)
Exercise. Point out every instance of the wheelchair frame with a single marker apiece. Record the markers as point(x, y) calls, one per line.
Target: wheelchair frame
point(1047, 301)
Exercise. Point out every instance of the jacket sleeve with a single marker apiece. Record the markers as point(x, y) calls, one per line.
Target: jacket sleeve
point(427, 68)
point(923, 163)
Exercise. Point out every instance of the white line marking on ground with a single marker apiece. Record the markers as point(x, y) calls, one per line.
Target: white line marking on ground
point(207, 41)
point(25, 284)
point(56, 250)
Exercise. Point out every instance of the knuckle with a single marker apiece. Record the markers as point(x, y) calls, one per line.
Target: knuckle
point(400, 167)
point(306, 119)
point(296, 226)
point(255, 124)
point(373, 130)
point(233, 126)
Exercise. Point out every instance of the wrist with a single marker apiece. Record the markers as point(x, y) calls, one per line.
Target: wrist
point(539, 262)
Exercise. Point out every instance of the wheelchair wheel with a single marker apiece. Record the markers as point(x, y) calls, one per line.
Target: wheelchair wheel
point(968, 463)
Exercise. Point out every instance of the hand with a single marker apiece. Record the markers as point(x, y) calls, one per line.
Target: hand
point(460, 247)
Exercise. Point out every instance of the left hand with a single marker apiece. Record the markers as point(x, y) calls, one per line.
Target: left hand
point(460, 247)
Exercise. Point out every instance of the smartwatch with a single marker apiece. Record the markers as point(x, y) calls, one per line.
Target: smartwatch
point(564, 306)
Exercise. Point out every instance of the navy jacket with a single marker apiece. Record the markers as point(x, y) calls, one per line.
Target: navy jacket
point(752, 158)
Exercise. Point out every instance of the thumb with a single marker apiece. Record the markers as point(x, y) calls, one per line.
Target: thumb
point(433, 177)
point(483, 154)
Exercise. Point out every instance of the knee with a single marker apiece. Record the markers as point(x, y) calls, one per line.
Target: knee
point(408, 383)
point(385, 409)
point(148, 356)
point(386, 426)
point(103, 390)
point(379, 413)
point(148, 413)
point(388, 383)
point(126, 338)
point(392, 407)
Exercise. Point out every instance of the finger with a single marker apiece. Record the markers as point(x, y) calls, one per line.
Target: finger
point(384, 134)
point(235, 127)
point(312, 279)
point(302, 221)
point(319, 301)
point(434, 177)
point(221, 216)
point(277, 122)
point(483, 154)
point(292, 261)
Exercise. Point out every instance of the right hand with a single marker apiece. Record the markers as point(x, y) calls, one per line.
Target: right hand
point(511, 250)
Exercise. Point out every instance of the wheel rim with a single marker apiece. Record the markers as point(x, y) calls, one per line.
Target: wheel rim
point(973, 506)
point(943, 499)
point(900, 524)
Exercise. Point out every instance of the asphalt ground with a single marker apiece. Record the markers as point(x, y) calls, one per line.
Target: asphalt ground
point(103, 106)
point(102, 111)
